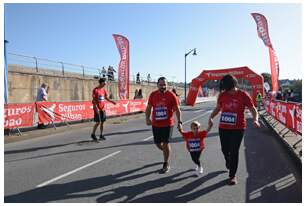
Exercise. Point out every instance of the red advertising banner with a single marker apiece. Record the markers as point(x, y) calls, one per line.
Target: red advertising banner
point(298, 117)
point(63, 111)
point(274, 64)
point(74, 111)
point(262, 28)
point(290, 114)
point(123, 68)
point(18, 115)
point(291, 120)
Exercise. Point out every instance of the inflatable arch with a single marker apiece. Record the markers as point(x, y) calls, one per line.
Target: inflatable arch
point(255, 80)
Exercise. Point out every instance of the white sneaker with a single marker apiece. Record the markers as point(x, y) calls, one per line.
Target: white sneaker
point(197, 168)
point(201, 170)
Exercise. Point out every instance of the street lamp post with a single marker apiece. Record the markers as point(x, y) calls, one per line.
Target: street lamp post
point(186, 54)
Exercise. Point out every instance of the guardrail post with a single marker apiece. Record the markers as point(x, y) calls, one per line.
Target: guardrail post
point(83, 71)
point(36, 66)
point(63, 69)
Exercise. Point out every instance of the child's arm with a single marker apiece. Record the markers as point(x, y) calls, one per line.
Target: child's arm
point(208, 128)
point(180, 129)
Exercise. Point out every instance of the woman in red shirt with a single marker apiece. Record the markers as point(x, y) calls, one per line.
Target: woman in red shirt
point(232, 102)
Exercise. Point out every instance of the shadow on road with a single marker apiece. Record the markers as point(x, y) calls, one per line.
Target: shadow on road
point(81, 188)
point(64, 191)
point(181, 195)
point(127, 132)
point(33, 149)
point(272, 174)
point(90, 142)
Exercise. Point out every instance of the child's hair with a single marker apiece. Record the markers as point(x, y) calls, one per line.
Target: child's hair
point(195, 123)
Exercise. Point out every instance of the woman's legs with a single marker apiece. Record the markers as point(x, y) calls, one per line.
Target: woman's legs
point(230, 144)
point(235, 143)
point(225, 145)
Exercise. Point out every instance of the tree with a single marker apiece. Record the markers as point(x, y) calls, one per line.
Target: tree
point(267, 78)
point(296, 86)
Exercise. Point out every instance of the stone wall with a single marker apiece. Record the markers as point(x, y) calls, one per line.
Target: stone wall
point(24, 82)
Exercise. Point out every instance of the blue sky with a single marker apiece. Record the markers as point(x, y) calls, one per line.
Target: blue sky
point(224, 34)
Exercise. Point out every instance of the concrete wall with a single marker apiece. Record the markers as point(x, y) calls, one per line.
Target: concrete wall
point(24, 82)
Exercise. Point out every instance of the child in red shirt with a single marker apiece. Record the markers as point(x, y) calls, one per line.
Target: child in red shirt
point(195, 142)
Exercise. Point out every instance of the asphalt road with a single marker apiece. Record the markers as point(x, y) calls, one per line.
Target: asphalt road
point(68, 167)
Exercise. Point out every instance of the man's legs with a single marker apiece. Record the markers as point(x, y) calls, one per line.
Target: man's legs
point(101, 131)
point(166, 152)
point(93, 136)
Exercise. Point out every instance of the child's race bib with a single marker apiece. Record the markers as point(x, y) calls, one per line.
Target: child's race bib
point(161, 113)
point(228, 118)
point(194, 145)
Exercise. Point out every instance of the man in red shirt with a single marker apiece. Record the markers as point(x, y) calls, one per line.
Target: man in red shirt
point(164, 104)
point(232, 103)
point(99, 95)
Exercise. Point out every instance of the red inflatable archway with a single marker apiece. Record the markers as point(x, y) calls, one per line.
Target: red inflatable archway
point(255, 80)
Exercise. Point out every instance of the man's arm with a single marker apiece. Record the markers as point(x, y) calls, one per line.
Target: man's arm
point(178, 117)
point(111, 101)
point(148, 114)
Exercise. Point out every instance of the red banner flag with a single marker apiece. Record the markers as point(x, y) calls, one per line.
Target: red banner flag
point(263, 33)
point(274, 69)
point(123, 69)
point(262, 28)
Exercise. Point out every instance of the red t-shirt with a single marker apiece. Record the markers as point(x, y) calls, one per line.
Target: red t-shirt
point(194, 143)
point(164, 104)
point(98, 96)
point(232, 109)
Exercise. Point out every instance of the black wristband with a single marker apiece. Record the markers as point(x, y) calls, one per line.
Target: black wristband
point(180, 122)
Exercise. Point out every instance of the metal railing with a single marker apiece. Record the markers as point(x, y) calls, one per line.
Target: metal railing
point(38, 64)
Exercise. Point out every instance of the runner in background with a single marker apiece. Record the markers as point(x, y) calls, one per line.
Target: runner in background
point(232, 102)
point(99, 96)
point(164, 103)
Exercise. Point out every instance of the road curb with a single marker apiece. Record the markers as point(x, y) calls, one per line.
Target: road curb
point(288, 143)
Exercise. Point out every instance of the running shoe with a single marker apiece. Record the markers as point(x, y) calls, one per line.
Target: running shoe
point(93, 136)
point(201, 170)
point(102, 137)
point(166, 168)
point(196, 169)
point(232, 181)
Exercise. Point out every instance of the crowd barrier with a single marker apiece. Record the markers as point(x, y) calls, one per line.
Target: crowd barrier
point(22, 115)
point(288, 113)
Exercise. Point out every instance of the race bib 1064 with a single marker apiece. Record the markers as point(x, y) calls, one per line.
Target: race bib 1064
point(228, 118)
point(161, 113)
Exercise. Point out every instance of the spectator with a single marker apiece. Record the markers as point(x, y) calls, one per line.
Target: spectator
point(110, 73)
point(103, 72)
point(139, 94)
point(136, 94)
point(138, 78)
point(42, 95)
point(177, 96)
point(149, 78)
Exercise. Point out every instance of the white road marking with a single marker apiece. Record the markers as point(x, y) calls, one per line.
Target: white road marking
point(76, 170)
point(209, 111)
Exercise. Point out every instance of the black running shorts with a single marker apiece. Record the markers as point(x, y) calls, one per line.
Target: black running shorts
point(99, 117)
point(162, 134)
